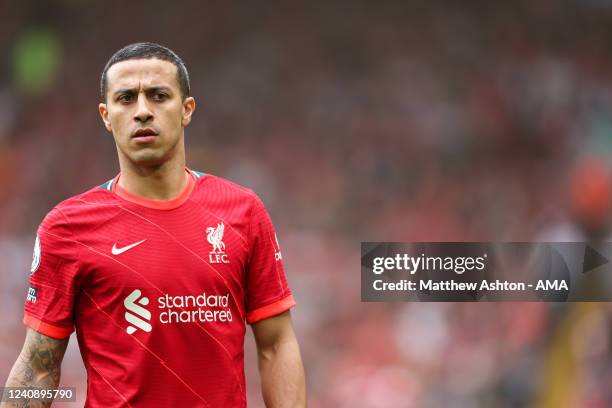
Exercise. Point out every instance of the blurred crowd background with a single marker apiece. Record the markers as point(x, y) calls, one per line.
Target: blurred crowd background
point(354, 121)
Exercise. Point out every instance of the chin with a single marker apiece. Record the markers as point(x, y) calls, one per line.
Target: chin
point(148, 159)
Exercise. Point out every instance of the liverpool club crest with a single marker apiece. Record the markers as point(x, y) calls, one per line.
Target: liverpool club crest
point(214, 235)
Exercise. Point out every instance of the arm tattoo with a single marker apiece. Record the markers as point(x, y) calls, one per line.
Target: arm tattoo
point(39, 364)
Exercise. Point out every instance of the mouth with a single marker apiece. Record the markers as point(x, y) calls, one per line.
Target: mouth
point(144, 135)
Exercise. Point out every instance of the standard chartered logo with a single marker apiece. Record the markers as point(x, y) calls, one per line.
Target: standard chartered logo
point(189, 309)
point(203, 308)
point(136, 314)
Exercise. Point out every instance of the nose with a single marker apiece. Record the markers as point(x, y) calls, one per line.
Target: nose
point(143, 112)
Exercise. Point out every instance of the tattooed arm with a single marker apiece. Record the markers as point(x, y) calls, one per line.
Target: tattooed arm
point(38, 365)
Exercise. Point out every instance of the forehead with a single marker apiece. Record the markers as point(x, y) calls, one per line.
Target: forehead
point(137, 72)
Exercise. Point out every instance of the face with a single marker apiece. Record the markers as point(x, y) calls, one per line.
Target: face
point(145, 111)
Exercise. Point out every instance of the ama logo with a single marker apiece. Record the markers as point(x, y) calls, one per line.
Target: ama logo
point(135, 313)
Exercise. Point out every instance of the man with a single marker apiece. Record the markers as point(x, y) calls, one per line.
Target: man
point(160, 268)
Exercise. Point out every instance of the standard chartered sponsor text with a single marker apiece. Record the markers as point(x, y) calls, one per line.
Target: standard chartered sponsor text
point(190, 308)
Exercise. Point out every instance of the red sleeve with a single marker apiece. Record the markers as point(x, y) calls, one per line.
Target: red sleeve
point(268, 293)
point(53, 278)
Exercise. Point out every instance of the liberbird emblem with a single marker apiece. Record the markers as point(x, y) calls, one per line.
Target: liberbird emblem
point(215, 238)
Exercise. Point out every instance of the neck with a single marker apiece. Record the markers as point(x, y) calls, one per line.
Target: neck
point(160, 182)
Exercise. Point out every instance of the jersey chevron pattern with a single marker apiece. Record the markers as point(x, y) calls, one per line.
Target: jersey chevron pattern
point(159, 292)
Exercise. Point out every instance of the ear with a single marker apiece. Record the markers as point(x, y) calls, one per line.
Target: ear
point(104, 114)
point(189, 106)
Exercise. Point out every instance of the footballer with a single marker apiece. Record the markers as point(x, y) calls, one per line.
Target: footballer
point(160, 269)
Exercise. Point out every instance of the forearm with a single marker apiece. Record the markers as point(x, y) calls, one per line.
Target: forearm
point(24, 375)
point(282, 375)
point(38, 365)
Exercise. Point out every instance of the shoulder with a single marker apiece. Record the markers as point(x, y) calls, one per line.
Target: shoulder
point(221, 188)
point(89, 204)
point(94, 197)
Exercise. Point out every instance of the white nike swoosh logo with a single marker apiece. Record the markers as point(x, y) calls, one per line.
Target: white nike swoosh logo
point(119, 251)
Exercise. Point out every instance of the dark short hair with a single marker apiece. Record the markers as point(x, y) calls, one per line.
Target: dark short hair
point(147, 50)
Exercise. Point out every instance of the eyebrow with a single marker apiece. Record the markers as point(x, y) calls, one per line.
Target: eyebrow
point(146, 89)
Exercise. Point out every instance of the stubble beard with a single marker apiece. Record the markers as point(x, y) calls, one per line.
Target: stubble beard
point(150, 156)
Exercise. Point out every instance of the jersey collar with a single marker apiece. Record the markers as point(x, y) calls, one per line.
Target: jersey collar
point(156, 204)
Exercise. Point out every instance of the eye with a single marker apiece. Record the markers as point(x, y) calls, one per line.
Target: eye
point(124, 98)
point(160, 96)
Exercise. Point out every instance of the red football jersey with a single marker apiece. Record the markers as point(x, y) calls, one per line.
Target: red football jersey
point(159, 291)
